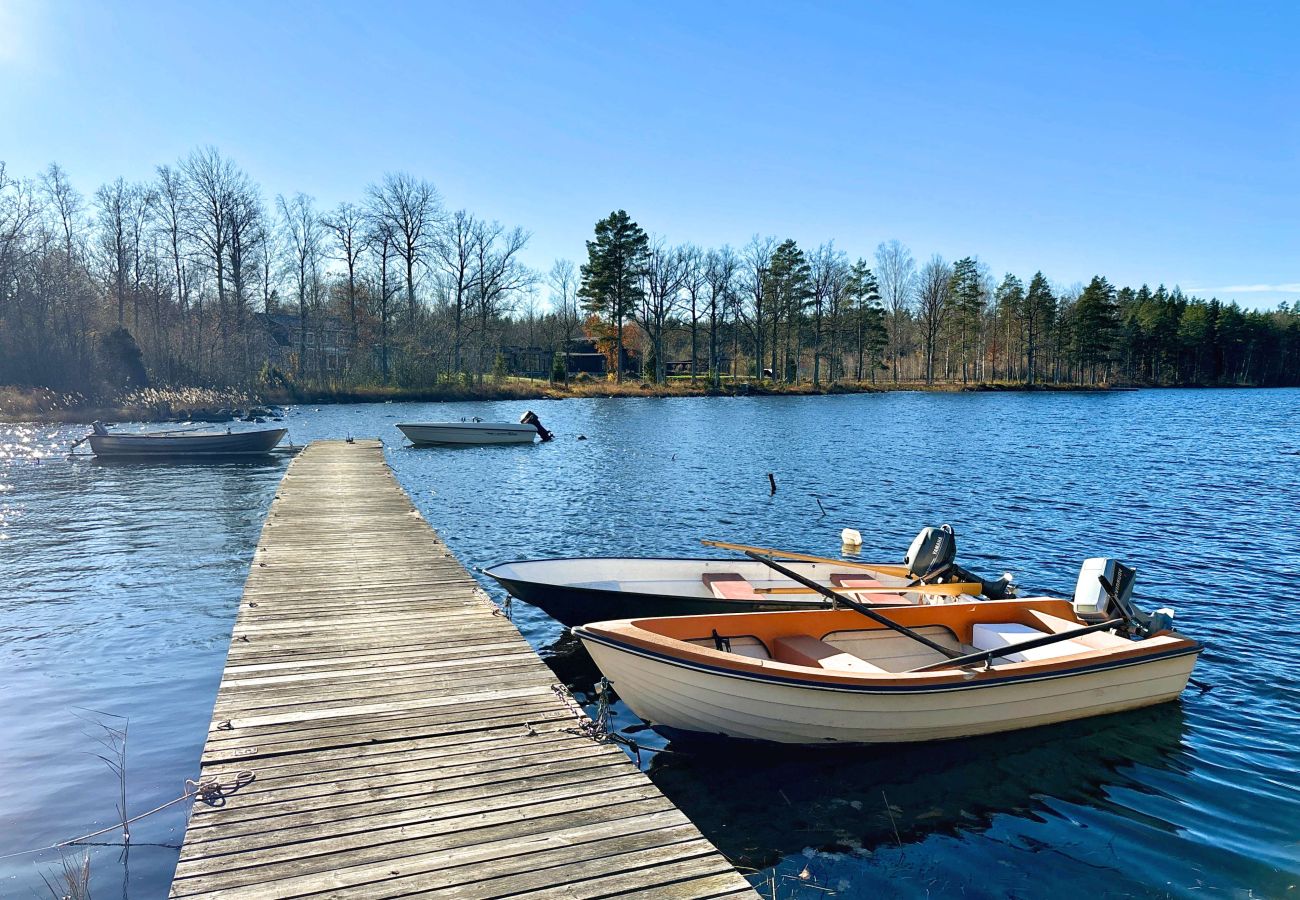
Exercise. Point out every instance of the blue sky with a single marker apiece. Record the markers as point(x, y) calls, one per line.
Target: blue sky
point(1149, 142)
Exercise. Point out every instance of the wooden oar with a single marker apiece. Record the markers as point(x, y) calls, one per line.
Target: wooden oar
point(956, 589)
point(1043, 641)
point(851, 604)
point(883, 568)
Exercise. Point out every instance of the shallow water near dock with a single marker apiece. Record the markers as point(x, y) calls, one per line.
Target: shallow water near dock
point(119, 584)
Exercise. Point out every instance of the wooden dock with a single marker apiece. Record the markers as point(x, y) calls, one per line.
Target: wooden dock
point(403, 738)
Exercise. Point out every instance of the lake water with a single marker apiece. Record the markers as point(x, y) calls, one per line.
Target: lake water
point(119, 585)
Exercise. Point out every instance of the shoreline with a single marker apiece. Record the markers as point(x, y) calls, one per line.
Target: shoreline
point(43, 406)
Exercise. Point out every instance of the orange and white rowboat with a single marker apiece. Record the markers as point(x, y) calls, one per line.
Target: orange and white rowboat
point(837, 677)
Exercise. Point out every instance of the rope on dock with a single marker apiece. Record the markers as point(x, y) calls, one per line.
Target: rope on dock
point(212, 791)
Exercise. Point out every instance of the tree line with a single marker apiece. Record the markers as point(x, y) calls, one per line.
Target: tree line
point(172, 281)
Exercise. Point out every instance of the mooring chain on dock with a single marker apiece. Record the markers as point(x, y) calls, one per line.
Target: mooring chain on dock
point(502, 609)
point(598, 728)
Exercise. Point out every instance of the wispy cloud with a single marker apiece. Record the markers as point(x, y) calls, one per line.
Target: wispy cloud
point(1290, 287)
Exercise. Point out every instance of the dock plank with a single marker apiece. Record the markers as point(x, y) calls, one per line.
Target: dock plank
point(405, 739)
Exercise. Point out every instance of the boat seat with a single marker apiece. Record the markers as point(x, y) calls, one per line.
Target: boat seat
point(741, 645)
point(851, 582)
point(1098, 640)
point(729, 586)
point(995, 635)
point(806, 650)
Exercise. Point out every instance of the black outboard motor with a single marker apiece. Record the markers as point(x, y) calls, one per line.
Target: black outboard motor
point(932, 558)
point(932, 553)
point(530, 418)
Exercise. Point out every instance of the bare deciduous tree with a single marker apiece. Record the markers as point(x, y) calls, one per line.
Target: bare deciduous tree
point(758, 263)
point(456, 255)
point(896, 275)
point(500, 276)
point(720, 269)
point(664, 277)
point(412, 210)
point(347, 226)
point(563, 282)
point(933, 290)
point(303, 235)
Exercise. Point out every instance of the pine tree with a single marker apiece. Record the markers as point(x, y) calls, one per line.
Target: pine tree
point(789, 285)
point(1096, 324)
point(612, 278)
point(869, 318)
point(1038, 313)
point(967, 295)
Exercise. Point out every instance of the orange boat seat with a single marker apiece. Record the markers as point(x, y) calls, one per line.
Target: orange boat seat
point(806, 650)
point(729, 586)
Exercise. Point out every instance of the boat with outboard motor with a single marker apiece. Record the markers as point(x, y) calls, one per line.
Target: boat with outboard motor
point(476, 431)
point(902, 674)
point(579, 590)
point(183, 443)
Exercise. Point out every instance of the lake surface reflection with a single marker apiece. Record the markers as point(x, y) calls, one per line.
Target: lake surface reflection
point(119, 584)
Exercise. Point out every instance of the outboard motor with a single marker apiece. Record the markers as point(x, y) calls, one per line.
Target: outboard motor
point(98, 428)
point(530, 418)
point(932, 552)
point(932, 558)
point(1105, 590)
point(1092, 600)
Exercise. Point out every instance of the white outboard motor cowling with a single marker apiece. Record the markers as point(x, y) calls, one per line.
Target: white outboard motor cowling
point(1091, 599)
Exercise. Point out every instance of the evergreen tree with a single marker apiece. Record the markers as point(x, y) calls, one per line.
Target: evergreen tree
point(1039, 313)
point(1096, 321)
point(966, 293)
point(612, 283)
point(789, 285)
point(869, 318)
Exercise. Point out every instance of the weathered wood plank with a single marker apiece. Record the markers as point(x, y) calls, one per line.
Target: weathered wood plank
point(405, 740)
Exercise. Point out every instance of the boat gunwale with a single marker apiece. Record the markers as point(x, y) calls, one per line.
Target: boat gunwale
point(682, 559)
point(626, 635)
point(858, 684)
point(796, 603)
point(157, 444)
point(512, 427)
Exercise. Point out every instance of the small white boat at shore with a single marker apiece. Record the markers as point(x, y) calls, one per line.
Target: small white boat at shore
point(908, 673)
point(476, 431)
point(185, 443)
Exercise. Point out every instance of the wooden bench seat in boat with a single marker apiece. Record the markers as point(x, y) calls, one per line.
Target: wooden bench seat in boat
point(729, 586)
point(852, 582)
point(806, 650)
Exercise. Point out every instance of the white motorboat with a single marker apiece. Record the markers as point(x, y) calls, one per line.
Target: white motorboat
point(476, 431)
